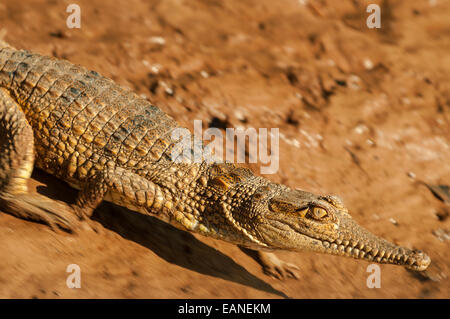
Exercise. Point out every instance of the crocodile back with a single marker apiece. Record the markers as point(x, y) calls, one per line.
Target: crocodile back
point(81, 120)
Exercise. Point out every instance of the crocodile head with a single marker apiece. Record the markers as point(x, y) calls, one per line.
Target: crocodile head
point(283, 218)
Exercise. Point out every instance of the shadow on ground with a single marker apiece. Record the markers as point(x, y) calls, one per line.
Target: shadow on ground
point(176, 246)
point(171, 244)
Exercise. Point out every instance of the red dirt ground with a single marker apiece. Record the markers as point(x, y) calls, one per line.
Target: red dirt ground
point(360, 111)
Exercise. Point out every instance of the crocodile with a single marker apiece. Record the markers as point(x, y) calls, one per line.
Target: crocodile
point(111, 144)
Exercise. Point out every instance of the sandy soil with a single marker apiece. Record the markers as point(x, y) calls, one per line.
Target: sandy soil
point(360, 112)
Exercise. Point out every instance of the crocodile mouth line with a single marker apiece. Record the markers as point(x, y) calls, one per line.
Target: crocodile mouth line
point(413, 259)
point(361, 249)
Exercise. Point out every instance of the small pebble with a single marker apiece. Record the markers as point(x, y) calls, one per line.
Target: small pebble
point(411, 175)
point(393, 221)
point(368, 64)
point(158, 40)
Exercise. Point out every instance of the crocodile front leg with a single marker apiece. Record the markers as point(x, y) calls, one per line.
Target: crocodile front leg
point(119, 186)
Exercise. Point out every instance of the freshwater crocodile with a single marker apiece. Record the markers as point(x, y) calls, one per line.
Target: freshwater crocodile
point(113, 145)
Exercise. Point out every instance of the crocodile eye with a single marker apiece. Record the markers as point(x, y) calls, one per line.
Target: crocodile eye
point(319, 212)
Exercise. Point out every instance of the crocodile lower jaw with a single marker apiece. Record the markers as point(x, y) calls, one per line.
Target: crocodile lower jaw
point(411, 259)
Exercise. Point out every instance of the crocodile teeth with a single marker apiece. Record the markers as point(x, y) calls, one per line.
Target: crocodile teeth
point(361, 246)
point(355, 252)
point(341, 248)
point(361, 254)
point(345, 243)
point(326, 244)
point(348, 250)
point(381, 253)
point(374, 252)
point(338, 241)
point(334, 246)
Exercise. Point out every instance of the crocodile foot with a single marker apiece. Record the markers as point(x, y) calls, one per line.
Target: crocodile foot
point(40, 209)
point(271, 264)
point(277, 268)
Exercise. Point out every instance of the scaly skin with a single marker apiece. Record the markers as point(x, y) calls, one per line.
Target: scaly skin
point(113, 145)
